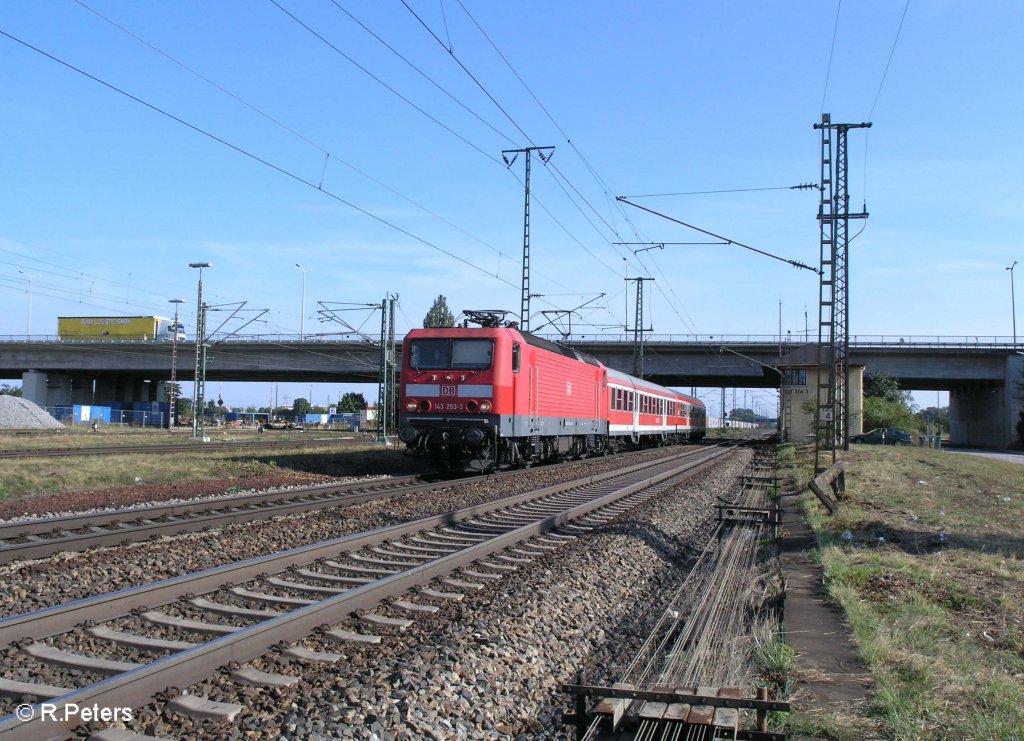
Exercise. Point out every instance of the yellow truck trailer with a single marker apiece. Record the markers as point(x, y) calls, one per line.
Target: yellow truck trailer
point(145, 328)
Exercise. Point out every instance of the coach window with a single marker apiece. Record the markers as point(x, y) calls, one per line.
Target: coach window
point(472, 354)
point(515, 357)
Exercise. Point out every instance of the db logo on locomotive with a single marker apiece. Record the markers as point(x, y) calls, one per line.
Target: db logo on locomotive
point(448, 391)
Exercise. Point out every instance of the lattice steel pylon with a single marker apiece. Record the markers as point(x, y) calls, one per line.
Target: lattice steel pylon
point(387, 375)
point(833, 409)
point(545, 154)
point(638, 327)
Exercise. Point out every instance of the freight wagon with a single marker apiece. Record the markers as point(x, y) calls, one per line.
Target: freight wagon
point(146, 328)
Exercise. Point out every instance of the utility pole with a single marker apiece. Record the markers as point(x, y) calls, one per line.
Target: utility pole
point(638, 327)
point(172, 405)
point(388, 368)
point(524, 306)
point(200, 385)
point(833, 409)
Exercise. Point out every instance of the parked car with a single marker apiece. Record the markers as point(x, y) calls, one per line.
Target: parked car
point(884, 436)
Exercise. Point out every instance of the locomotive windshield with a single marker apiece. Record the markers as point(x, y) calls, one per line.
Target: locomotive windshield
point(451, 354)
point(472, 354)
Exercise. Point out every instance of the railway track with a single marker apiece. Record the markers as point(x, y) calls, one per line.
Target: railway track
point(42, 537)
point(268, 444)
point(286, 596)
point(38, 538)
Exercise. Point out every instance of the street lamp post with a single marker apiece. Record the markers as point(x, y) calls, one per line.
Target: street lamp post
point(302, 303)
point(173, 399)
point(30, 277)
point(782, 387)
point(1013, 304)
point(200, 384)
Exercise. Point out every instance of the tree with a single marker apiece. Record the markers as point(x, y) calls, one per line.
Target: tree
point(352, 402)
point(301, 407)
point(880, 385)
point(172, 388)
point(885, 405)
point(8, 390)
point(879, 412)
point(439, 314)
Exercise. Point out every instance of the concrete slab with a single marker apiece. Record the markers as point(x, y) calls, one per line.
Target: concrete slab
point(814, 626)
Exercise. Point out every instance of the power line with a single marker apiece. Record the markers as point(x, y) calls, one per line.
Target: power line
point(258, 159)
point(593, 172)
point(794, 263)
point(832, 50)
point(376, 79)
point(801, 186)
point(423, 74)
point(465, 69)
point(878, 93)
point(892, 51)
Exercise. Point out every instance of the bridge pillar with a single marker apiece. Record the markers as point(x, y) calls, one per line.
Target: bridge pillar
point(987, 415)
point(33, 387)
point(977, 415)
point(1015, 395)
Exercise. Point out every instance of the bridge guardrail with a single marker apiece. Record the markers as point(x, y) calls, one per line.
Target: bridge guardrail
point(991, 342)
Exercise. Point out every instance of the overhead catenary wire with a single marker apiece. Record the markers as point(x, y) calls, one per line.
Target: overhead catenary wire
point(504, 111)
point(277, 168)
point(328, 154)
point(831, 54)
point(871, 113)
point(590, 168)
point(794, 263)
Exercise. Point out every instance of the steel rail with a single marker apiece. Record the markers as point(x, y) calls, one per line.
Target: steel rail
point(136, 687)
point(59, 618)
point(115, 527)
point(157, 520)
point(169, 447)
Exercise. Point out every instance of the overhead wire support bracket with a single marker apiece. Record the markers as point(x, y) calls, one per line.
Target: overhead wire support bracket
point(794, 263)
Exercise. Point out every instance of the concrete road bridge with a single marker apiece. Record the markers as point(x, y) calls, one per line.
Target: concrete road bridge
point(982, 374)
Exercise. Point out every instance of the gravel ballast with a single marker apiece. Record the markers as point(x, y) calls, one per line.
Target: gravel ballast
point(491, 666)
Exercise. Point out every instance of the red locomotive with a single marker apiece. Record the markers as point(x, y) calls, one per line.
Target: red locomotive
point(492, 397)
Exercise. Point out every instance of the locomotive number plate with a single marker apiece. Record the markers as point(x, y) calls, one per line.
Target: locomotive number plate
point(449, 391)
point(451, 406)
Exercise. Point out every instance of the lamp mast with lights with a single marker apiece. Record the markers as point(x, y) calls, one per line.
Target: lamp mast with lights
point(302, 303)
point(30, 278)
point(1013, 304)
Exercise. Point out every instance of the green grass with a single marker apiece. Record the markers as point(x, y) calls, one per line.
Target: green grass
point(53, 474)
point(939, 620)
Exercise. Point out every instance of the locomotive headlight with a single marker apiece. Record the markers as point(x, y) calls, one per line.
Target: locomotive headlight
point(410, 406)
point(485, 406)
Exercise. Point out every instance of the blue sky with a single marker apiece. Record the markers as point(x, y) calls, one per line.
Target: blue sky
point(107, 200)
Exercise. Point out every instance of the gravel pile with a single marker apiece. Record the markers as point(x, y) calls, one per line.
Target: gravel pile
point(21, 414)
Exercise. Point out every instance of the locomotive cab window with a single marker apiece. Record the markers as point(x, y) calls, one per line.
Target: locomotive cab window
point(515, 357)
point(430, 355)
point(472, 354)
point(451, 354)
